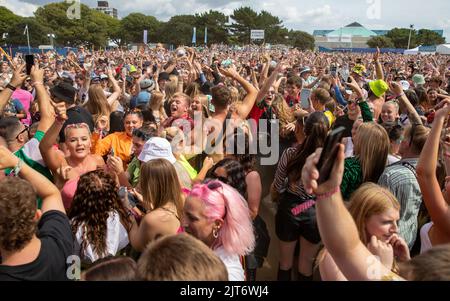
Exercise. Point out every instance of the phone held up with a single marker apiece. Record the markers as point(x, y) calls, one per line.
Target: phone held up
point(329, 153)
point(29, 60)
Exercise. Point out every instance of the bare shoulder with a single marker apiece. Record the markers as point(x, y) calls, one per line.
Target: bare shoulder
point(98, 160)
point(253, 176)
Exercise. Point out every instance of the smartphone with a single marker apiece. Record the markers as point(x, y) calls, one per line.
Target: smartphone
point(111, 152)
point(304, 98)
point(333, 71)
point(29, 59)
point(329, 153)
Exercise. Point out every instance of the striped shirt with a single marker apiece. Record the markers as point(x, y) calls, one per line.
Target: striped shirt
point(281, 182)
point(402, 182)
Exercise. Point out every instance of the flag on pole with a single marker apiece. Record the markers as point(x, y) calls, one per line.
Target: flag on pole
point(26, 30)
point(145, 36)
point(206, 35)
point(194, 36)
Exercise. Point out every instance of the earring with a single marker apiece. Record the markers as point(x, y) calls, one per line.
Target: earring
point(215, 233)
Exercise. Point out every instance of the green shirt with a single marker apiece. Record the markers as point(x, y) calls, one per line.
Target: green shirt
point(31, 155)
point(352, 177)
point(134, 170)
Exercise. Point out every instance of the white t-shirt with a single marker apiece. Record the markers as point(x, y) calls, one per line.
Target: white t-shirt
point(392, 159)
point(425, 243)
point(232, 263)
point(116, 238)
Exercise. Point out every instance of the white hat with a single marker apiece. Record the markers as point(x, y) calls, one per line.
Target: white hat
point(157, 148)
point(405, 85)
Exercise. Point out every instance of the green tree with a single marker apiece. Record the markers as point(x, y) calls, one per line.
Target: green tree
point(178, 30)
point(429, 37)
point(400, 36)
point(301, 40)
point(133, 26)
point(381, 42)
point(90, 29)
point(7, 19)
point(37, 32)
point(245, 19)
point(217, 28)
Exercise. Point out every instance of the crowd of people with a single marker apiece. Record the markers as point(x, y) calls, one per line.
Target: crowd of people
point(129, 161)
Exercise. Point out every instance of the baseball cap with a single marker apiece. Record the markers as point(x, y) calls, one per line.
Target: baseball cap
point(157, 148)
point(418, 79)
point(378, 87)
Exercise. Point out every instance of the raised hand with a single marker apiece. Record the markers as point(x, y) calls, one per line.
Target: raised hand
point(383, 250)
point(19, 75)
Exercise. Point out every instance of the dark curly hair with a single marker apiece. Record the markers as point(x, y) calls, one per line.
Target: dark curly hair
point(17, 213)
point(235, 174)
point(96, 197)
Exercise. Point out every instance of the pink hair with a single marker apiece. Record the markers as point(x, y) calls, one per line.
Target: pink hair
point(236, 234)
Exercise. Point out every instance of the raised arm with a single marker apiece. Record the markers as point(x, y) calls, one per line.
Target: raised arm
point(52, 158)
point(378, 66)
point(113, 98)
point(336, 226)
point(426, 173)
point(50, 195)
point(18, 78)
point(269, 82)
point(43, 99)
point(405, 103)
point(249, 100)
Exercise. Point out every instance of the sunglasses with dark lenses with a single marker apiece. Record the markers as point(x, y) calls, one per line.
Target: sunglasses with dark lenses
point(26, 129)
point(141, 135)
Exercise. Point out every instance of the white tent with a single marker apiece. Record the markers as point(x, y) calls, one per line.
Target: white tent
point(443, 49)
point(412, 51)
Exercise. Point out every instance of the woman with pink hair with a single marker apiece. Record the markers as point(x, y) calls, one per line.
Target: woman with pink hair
point(218, 215)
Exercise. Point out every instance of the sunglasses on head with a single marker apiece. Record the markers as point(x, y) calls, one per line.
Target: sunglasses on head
point(26, 129)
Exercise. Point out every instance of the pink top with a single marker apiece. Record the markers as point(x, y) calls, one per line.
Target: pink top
point(68, 192)
point(25, 98)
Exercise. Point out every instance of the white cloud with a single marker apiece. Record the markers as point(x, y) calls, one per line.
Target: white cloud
point(295, 14)
point(19, 7)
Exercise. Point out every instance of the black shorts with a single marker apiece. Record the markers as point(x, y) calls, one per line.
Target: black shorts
point(290, 227)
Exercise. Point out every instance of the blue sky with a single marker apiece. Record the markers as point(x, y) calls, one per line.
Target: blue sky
point(296, 14)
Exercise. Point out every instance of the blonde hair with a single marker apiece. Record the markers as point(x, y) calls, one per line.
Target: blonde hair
point(160, 185)
point(368, 200)
point(156, 103)
point(392, 103)
point(180, 257)
point(282, 110)
point(97, 104)
point(372, 149)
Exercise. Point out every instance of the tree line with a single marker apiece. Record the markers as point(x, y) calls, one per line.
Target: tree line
point(95, 28)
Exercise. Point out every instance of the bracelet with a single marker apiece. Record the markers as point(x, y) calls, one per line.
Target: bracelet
point(398, 96)
point(15, 172)
point(327, 195)
point(37, 83)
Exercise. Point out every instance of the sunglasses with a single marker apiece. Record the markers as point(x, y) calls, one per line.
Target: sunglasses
point(26, 129)
point(141, 135)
